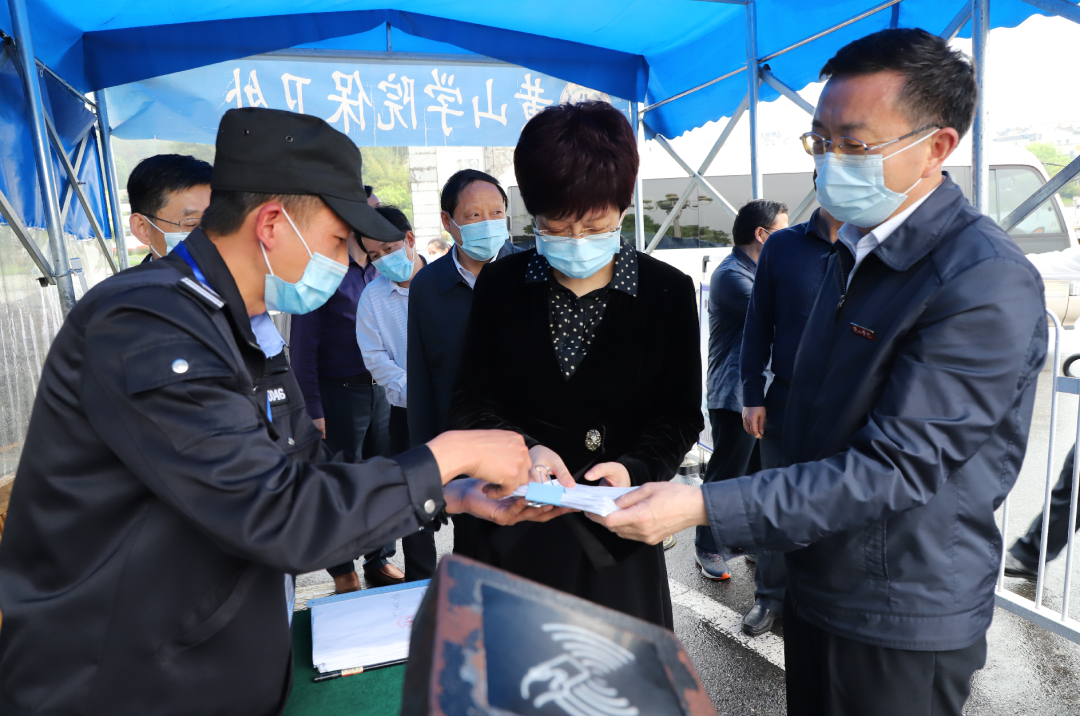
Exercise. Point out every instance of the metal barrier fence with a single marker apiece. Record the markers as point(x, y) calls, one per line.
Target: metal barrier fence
point(1035, 611)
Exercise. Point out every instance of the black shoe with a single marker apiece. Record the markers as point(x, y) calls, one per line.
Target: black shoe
point(758, 620)
point(1016, 568)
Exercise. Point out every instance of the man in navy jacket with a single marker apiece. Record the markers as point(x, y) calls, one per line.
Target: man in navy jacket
point(909, 410)
point(440, 298)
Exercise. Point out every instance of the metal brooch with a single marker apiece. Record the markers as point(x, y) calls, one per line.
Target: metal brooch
point(592, 440)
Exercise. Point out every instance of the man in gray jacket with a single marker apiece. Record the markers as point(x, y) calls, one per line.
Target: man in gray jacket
point(909, 409)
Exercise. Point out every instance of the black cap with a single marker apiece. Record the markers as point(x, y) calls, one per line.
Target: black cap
point(270, 151)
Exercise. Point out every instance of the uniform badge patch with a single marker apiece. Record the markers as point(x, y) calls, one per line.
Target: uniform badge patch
point(277, 396)
point(862, 332)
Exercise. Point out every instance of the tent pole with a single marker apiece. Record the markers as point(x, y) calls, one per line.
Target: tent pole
point(61, 269)
point(980, 23)
point(639, 185)
point(110, 180)
point(756, 183)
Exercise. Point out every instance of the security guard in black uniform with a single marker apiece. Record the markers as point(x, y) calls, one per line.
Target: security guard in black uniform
point(171, 481)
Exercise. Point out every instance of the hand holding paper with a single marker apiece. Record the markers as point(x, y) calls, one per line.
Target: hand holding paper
point(587, 498)
point(655, 510)
point(470, 496)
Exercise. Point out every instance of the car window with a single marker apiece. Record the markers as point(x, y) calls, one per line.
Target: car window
point(1042, 230)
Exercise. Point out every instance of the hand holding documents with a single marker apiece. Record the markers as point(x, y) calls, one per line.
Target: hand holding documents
point(364, 628)
point(587, 498)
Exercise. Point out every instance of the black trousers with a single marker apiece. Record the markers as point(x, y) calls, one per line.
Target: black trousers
point(828, 675)
point(357, 419)
point(735, 453)
point(1026, 548)
point(419, 547)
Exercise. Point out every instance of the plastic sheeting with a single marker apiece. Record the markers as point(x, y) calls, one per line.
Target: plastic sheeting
point(18, 166)
point(640, 50)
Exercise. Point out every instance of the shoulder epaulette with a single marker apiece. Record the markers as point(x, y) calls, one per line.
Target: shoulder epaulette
point(202, 293)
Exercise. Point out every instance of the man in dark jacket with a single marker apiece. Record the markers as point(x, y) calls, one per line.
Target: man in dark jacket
point(790, 271)
point(171, 482)
point(909, 410)
point(440, 297)
point(734, 451)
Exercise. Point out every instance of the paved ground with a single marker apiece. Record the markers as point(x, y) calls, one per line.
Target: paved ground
point(1029, 670)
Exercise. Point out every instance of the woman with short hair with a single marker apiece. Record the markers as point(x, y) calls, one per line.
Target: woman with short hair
point(590, 350)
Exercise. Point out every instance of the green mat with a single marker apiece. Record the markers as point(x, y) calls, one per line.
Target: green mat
point(377, 693)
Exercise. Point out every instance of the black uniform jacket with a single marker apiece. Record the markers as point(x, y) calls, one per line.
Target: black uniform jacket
point(157, 507)
point(635, 399)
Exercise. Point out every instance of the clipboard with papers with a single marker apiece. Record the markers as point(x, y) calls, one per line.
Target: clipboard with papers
point(364, 629)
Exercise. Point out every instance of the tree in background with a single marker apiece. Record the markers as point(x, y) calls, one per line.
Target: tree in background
point(386, 170)
point(1054, 160)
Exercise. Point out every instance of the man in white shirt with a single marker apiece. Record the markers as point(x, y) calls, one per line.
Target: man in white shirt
point(382, 328)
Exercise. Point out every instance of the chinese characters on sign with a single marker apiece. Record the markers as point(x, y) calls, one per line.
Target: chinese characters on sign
point(403, 103)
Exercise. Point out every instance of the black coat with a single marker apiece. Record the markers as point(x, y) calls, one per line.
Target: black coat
point(157, 509)
point(639, 386)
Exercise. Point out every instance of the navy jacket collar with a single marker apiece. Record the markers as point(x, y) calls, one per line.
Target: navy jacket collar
point(446, 273)
point(931, 223)
point(748, 263)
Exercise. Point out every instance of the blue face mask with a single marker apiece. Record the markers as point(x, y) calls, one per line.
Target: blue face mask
point(171, 238)
point(320, 280)
point(482, 240)
point(579, 258)
point(853, 189)
point(397, 267)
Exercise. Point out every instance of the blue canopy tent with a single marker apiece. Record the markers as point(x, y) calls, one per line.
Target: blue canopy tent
point(682, 62)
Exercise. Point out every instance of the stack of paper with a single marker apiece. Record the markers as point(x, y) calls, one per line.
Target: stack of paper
point(365, 628)
point(588, 498)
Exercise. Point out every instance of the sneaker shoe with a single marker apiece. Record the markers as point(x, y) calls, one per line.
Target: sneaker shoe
point(669, 542)
point(1016, 568)
point(712, 565)
point(758, 620)
point(751, 558)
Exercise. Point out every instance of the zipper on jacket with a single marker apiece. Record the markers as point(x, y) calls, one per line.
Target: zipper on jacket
point(843, 287)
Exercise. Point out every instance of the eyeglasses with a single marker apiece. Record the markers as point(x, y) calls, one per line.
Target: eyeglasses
point(565, 234)
point(187, 225)
point(816, 145)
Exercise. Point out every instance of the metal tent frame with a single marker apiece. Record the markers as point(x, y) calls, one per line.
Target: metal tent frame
point(977, 11)
point(756, 68)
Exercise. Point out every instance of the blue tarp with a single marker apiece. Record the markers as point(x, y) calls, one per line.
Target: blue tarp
point(18, 177)
point(639, 50)
point(433, 101)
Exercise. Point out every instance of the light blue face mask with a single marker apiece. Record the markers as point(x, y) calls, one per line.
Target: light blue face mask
point(397, 267)
point(579, 258)
point(482, 240)
point(853, 189)
point(320, 280)
point(172, 238)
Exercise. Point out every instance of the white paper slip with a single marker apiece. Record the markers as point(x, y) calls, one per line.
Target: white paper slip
point(596, 499)
point(369, 629)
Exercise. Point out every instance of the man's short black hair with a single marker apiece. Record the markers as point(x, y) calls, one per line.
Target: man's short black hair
point(154, 178)
point(940, 87)
point(759, 213)
point(451, 193)
point(229, 209)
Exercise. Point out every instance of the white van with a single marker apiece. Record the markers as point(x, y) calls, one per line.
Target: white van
point(701, 234)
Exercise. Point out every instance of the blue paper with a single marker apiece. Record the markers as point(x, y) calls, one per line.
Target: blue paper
point(545, 493)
